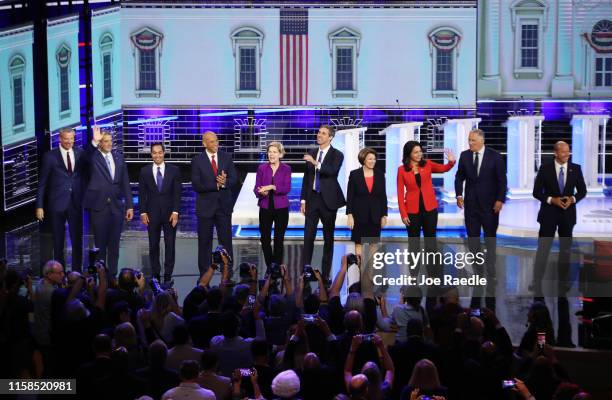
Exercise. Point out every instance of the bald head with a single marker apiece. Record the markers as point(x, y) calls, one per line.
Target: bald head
point(210, 142)
point(312, 362)
point(562, 152)
point(353, 322)
point(358, 386)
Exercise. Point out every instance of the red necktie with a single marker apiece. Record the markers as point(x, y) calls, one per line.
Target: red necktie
point(214, 166)
point(68, 162)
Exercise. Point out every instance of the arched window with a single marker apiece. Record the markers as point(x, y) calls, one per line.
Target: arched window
point(147, 50)
point(444, 51)
point(247, 47)
point(344, 50)
point(106, 54)
point(17, 74)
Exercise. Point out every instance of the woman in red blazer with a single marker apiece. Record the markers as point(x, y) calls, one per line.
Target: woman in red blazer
point(415, 192)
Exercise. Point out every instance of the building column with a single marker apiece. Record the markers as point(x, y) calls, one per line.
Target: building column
point(563, 82)
point(489, 84)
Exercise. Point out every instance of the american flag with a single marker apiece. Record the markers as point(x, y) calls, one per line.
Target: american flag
point(293, 56)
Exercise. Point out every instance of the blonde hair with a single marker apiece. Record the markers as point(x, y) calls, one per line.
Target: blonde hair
point(278, 145)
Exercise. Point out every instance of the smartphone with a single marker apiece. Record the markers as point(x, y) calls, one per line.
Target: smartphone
point(246, 372)
point(508, 384)
point(251, 300)
point(541, 339)
point(367, 338)
point(309, 318)
point(475, 312)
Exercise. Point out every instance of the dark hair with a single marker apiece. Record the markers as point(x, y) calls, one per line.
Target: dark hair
point(259, 348)
point(102, 344)
point(364, 153)
point(180, 334)
point(214, 298)
point(158, 353)
point(408, 147)
point(312, 302)
point(229, 324)
point(209, 360)
point(158, 144)
point(330, 129)
point(127, 279)
point(189, 370)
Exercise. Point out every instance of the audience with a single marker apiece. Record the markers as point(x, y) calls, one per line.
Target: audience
point(189, 389)
point(182, 350)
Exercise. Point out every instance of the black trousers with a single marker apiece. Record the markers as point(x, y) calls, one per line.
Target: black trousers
point(107, 227)
point(154, 230)
point(427, 222)
point(279, 218)
point(316, 211)
point(223, 223)
point(479, 218)
point(74, 217)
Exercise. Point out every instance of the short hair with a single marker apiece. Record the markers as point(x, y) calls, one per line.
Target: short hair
point(180, 334)
point(330, 129)
point(158, 144)
point(67, 130)
point(559, 144)
point(229, 324)
point(158, 353)
point(48, 267)
point(259, 348)
point(106, 132)
point(364, 153)
point(209, 360)
point(278, 145)
point(102, 343)
point(190, 369)
point(214, 298)
point(479, 132)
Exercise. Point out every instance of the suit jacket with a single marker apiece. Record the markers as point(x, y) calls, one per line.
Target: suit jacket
point(63, 189)
point(282, 181)
point(486, 188)
point(408, 192)
point(547, 185)
point(204, 182)
point(159, 205)
point(330, 188)
point(366, 207)
point(104, 191)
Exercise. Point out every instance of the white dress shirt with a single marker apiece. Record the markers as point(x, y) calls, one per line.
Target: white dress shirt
point(480, 156)
point(210, 156)
point(557, 171)
point(162, 168)
point(64, 154)
point(112, 162)
point(322, 153)
point(189, 391)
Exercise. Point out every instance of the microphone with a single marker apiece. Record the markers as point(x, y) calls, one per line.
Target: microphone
point(397, 102)
point(457, 99)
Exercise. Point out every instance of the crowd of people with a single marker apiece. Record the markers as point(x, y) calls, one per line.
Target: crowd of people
point(281, 337)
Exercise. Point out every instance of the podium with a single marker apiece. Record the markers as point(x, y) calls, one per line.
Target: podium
point(396, 136)
point(349, 142)
point(588, 138)
point(524, 154)
point(456, 132)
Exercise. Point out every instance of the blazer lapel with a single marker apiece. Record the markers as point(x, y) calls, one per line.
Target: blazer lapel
point(60, 160)
point(102, 163)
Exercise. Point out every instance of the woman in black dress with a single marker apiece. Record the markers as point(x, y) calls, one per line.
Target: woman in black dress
point(366, 199)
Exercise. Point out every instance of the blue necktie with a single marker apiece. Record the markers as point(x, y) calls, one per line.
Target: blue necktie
point(110, 167)
point(561, 180)
point(160, 179)
point(318, 174)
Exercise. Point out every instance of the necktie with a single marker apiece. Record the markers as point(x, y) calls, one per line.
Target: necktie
point(561, 180)
point(214, 166)
point(160, 179)
point(68, 162)
point(476, 162)
point(318, 174)
point(110, 167)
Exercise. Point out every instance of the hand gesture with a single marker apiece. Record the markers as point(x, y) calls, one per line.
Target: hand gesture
point(129, 214)
point(460, 202)
point(97, 134)
point(406, 220)
point(173, 219)
point(356, 342)
point(310, 159)
point(497, 207)
point(303, 208)
point(40, 214)
point(449, 155)
point(350, 221)
point(144, 218)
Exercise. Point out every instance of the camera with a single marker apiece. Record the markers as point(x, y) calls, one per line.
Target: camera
point(274, 271)
point(309, 275)
point(367, 338)
point(351, 259)
point(218, 253)
point(541, 339)
point(508, 384)
point(251, 300)
point(94, 255)
point(155, 286)
point(309, 318)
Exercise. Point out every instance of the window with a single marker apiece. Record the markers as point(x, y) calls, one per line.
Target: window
point(63, 64)
point(444, 49)
point(599, 57)
point(529, 19)
point(17, 73)
point(344, 50)
point(106, 51)
point(603, 71)
point(247, 47)
point(147, 50)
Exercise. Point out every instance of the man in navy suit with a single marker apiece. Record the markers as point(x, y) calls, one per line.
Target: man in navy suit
point(159, 188)
point(484, 173)
point(212, 176)
point(559, 186)
point(321, 196)
point(108, 197)
point(61, 179)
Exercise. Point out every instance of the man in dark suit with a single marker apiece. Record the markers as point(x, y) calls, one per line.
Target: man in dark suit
point(212, 176)
point(159, 188)
point(484, 173)
point(108, 197)
point(61, 179)
point(558, 186)
point(321, 196)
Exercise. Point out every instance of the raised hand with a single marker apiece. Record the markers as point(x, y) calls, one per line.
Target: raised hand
point(449, 155)
point(97, 134)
